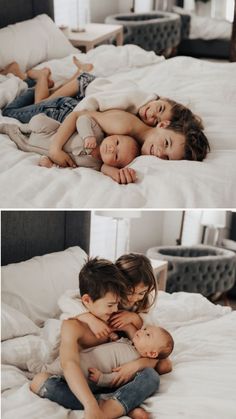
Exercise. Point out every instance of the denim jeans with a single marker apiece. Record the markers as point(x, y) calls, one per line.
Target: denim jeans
point(130, 395)
point(23, 107)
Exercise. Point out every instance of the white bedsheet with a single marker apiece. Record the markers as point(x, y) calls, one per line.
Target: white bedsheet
point(201, 385)
point(208, 88)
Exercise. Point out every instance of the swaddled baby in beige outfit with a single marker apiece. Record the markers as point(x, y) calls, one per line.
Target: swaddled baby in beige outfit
point(37, 136)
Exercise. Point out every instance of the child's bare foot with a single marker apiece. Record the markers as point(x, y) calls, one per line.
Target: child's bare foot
point(45, 162)
point(14, 68)
point(82, 66)
point(43, 72)
point(138, 413)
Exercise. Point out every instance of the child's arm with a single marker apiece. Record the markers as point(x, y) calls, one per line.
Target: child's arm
point(125, 372)
point(123, 318)
point(71, 305)
point(71, 333)
point(85, 125)
point(164, 366)
point(98, 327)
point(122, 176)
point(120, 122)
point(102, 379)
point(64, 132)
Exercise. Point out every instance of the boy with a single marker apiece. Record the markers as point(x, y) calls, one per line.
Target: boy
point(87, 147)
point(101, 287)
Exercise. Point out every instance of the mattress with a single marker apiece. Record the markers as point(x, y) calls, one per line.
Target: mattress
point(208, 88)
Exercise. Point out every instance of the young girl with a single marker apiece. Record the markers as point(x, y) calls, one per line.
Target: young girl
point(142, 290)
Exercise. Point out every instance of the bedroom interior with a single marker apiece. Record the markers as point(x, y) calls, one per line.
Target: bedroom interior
point(179, 214)
point(42, 253)
point(213, 185)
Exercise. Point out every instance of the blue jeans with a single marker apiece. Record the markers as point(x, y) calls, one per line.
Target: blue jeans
point(130, 395)
point(23, 107)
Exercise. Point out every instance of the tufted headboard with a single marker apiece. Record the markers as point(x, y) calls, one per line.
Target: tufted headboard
point(25, 234)
point(13, 11)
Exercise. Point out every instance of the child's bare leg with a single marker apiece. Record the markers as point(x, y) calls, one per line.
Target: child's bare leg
point(70, 88)
point(43, 83)
point(14, 68)
point(82, 66)
point(111, 408)
point(45, 162)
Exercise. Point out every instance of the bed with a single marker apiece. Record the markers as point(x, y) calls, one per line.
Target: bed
point(209, 88)
point(202, 383)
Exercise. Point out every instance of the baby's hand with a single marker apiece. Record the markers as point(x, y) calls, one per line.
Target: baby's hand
point(90, 142)
point(127, 175)
point(94, 374)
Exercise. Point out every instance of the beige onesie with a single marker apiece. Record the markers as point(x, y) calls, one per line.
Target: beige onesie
point(41, 129)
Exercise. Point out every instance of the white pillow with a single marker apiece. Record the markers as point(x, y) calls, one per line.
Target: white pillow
point(15, 324)
point(34, 286)
point(33, 41)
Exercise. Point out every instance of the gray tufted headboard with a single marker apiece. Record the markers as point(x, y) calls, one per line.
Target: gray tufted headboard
point(13, 11)
point(25, 234)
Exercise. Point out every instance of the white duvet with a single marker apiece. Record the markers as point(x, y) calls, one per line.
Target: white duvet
point(201, 385)
point(208, 88)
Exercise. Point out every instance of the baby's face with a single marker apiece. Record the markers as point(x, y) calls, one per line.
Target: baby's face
point(118, 150)
point(155, 111)
point(149, 339)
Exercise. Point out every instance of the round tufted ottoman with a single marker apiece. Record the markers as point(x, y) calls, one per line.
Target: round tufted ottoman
point(204, 269)
point(154, 31)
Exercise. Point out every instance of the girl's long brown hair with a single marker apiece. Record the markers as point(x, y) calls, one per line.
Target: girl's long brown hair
point(136, 269)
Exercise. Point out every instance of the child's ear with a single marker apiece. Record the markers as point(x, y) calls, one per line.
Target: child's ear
point(164, 124)
point(152, 354)
point(86, 299)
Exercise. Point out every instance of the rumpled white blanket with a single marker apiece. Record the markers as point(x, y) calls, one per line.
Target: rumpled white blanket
point(106, 59)
point(103, 94)
point(201, 385)
point(10, 87)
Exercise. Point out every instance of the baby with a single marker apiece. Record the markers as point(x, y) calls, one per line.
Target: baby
point(87, 146)
point(149, 342)
point(98, 362)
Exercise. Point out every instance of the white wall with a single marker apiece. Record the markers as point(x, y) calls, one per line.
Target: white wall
point(102, 8)
point(171, 227)
point(146, 231)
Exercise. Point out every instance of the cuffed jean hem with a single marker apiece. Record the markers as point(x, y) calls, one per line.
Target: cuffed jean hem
point(133, 393)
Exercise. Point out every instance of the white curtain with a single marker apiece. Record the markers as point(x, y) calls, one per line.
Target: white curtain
point(72, 13)
point(108, 236)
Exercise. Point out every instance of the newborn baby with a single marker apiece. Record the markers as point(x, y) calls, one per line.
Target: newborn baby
point(87, 147)
point(98, 362)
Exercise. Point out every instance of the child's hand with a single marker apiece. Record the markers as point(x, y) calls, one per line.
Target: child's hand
point(124, 373)
point(121, 319)
point(127, 175)
point(94, 374)
point(61, 158)
point(90, 142)
point(98, 327)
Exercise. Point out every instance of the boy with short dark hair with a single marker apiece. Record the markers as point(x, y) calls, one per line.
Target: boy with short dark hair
point(72, 391)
